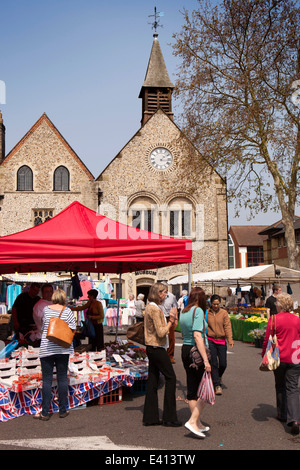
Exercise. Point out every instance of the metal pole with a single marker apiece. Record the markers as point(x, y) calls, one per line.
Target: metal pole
point(118, 306)
point(190, 278)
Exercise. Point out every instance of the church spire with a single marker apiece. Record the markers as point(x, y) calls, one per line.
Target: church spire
point(156, 91)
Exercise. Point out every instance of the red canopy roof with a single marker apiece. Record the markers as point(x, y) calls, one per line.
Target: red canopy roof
point(79, 239)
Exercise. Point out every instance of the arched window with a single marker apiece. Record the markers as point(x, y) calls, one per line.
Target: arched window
point(142, 214)
point(61, 179)
point(24, 179)
point(181, 215)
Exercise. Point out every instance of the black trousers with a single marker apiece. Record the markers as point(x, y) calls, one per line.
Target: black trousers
point(159, 361)
point(287, 391)
point(218, 361)
point(193, 375)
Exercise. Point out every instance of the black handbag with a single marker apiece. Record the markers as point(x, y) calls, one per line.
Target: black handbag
point(88, 329)
point(195, 356)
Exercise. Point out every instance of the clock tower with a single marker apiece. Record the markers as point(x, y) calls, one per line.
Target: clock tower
point(156, 91)
point(159, 183)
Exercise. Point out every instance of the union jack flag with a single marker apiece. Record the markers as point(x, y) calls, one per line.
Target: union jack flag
point(15, 404)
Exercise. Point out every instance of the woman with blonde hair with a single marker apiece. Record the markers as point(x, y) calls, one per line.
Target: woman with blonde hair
point(287, 328)
point(52, 354)
point(156, 340)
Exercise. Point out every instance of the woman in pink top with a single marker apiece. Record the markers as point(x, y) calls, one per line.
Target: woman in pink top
point(287, 374)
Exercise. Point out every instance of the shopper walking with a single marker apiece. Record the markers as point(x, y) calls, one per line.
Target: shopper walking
point(193, 326)
point(219, 331)
point(287, 328)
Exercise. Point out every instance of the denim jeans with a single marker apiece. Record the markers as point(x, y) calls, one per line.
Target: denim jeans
point(60, 361)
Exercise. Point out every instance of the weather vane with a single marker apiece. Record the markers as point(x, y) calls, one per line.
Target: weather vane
point(156, 16)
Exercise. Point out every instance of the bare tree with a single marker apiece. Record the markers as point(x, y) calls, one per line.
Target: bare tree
point(239, 83)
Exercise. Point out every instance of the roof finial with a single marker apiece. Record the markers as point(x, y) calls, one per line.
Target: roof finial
point(156, 24)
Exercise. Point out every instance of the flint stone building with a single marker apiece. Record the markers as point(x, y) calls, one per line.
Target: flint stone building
point(157, 182)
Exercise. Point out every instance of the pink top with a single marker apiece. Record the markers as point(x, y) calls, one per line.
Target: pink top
point(217, 341)
point(288, 336)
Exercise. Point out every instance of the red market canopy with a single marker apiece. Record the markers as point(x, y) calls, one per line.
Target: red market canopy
point(79, 239)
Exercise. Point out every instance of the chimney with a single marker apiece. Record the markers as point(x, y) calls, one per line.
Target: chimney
point(2, 139)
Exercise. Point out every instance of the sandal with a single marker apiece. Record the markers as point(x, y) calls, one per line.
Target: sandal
point(64, 415)
point(41, 417)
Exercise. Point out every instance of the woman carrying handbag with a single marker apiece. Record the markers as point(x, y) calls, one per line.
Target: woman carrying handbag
point(193, 326)
point(52, 354)
point(287, 374)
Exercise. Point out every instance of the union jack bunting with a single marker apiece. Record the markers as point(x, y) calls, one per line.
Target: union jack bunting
point(15, 404)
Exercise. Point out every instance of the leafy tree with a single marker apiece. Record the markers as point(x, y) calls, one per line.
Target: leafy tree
point(239, 83)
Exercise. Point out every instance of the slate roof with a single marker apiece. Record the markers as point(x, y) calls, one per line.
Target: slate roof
point(156, 75)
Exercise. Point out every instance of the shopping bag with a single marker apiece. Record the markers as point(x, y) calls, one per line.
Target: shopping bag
point(59, 332)
point(271, 359)
point(9, 348)
point(206, 391)
point(88, 329)
point(136, 333)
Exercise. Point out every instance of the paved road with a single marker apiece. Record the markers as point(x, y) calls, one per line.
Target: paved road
point(243, 418)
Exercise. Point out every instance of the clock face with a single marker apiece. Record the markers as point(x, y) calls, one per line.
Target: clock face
point(161, 158)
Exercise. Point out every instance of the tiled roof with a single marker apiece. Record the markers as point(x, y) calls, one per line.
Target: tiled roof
point(248, 235)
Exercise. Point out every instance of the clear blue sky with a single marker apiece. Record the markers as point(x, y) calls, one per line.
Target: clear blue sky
point(83, 64)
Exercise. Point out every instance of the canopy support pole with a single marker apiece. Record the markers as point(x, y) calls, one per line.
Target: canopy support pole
point(118, 306)
point(190, 278)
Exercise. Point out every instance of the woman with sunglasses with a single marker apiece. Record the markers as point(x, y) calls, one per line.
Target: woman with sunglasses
point(156, 340)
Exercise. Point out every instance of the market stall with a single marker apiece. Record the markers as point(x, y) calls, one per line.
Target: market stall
point(244, 320)
point(79, 239)
point(91, 375)
point(248, 323)
point(264, 274)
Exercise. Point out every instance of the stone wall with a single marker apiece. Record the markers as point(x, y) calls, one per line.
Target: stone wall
point(42, 149)
point(130, 178)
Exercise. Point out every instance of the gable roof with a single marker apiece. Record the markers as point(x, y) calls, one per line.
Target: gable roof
point(45, 118)
point(278, 228)
point(156, 75)
point(248, 235)
point(159, 110)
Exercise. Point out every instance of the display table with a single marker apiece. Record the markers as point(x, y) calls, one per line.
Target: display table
point(241, 328)
point(15, 404)
point(89, 377)
point(237, 329)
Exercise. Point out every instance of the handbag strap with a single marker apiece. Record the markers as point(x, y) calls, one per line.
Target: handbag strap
point(61, 312)
point(272, 325)
point(203, 320)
